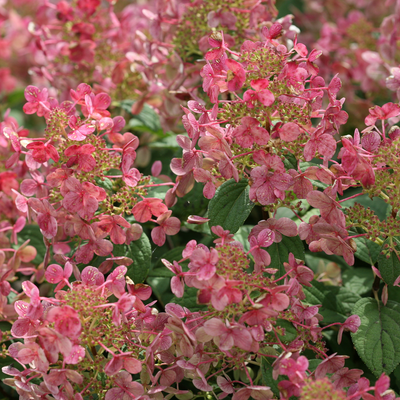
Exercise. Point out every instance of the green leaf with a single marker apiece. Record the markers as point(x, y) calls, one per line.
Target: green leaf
point(389, 267)
point(160, 270)
point(140, 252)
point(367, 250)
point(194, 203)
point(266, 374)
point(189, 300)
point(242, 236)
point(32, 232)
point(146, 120)
point(279, 252)
point(290, 162)
point(358, 280)
point(377, 340)
point(336, 302)
point(290, 331)
point(157, 192)
point(105, 183)
point(231, 205)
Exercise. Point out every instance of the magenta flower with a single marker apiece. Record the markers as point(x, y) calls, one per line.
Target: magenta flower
point(81, 155)
point(260, 93)
point(79, 131)
point(66, 321)
point(42, 152)
point(46, 217)
point(177, 281)
point(82, 198)
point(56, 274)
point(269, 180)
point(37, 101)
point(236, 76)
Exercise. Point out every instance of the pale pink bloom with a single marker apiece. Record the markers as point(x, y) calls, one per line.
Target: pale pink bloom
point(352, 324)
point(125, 389)
point(256, 392)
point(143, 210)
point(168, 226)
point(249, 132)
point(330, 365)
point(203, 262)
point(226, 336)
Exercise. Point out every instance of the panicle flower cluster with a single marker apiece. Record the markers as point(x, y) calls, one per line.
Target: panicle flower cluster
point(100, 328)
point(358, 40)
point(71, 192)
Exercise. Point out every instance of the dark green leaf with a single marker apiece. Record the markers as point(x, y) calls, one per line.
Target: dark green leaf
point(358, 280)
point(377, 340)
point(160, 270)
point(32, 232)
point(189, 300)
point(266, 374)
point(290, 162)
point(194, 203)
point(231, 205)
point(279, 252)
point(161, 289)
point(367, 250)
point(140, 252)
point(290, 332)
point(105, 183)
point(389, 267)
point(337, 302)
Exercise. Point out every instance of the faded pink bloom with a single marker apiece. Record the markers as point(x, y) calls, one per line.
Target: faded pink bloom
point(249, 132)
point(203, 262)
point(168, 226)
point(125, 389)
point(352, 324)
point(255, 392)
point(388, 110)
point(330, 365)
point(226, 336)
point(345, 377)
point(143, 210)
point(112, 225)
